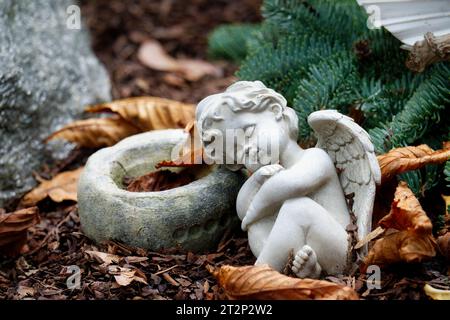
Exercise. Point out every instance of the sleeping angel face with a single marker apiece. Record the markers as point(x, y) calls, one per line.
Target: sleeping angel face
point(247, 125)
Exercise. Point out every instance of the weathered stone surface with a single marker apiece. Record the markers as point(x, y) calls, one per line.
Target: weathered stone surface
point(47, 74)
point(193, 217)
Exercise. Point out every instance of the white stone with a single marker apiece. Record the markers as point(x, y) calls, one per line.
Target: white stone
point(297, 201)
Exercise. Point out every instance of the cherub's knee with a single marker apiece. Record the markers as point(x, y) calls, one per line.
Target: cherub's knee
point(302, 208)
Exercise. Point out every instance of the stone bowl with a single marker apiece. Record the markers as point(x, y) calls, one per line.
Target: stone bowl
point(191, 217)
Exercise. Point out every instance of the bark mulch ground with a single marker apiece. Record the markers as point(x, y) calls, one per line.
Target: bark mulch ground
point(118, 28)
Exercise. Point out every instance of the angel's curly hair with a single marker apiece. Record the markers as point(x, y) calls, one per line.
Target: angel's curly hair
point(243, 96)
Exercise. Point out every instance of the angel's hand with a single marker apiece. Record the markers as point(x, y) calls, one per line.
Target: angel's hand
point(264, 173)
point(249, 218)
point(254, 213)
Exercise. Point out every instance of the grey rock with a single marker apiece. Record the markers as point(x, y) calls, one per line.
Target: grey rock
point(191, 217)
point(48, 73)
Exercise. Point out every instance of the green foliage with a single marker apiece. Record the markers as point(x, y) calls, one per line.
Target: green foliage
point(327, 85)
point(230, 42)
point(421, 114)
point(283, 65)
point(320, 55)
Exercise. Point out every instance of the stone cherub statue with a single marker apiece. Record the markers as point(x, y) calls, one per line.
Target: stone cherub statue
point(296, 198)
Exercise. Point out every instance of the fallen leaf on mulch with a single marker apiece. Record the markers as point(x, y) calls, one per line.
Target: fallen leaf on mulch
point(444, 245)
point(262, 283)
point(436, 294)
point(63, 187)
point(23, 292)
point(152, 55)
point(13, 229)
point(404, 159)
point(411, 239)
point(134, 259)
point(125, 276)
point(149, 113)
point(159, 181)
point(95, 133)
point(105, 258)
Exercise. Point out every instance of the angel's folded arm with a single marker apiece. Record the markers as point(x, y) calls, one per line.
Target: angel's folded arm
point(246, 194)
point(291, 183)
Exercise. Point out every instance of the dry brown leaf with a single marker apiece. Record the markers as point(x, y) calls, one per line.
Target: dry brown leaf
point(401, 246)
point(191, 153)
point(160, 181)
point(187, 160)
point(263, 283)
point(152, 55)
point(444, 245)
point(135, 259)
point(24, 291)
point(407, 213)
point(412, 241)
point(61, 188)
point(404, 159)
point(125, 276)
point(95, 133)
point(13, 229)
point(105, 258)
point(194, 70)
point(149, 113)
point(371, 236)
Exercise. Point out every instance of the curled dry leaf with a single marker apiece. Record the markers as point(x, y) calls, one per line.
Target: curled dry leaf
point(262, 283)
point(95, 133)
point(160, 181)
point(444, 245)
point(125, 276)
point(404, 159)
point(191, 153)
point(149, 113)
point(24, 291)
point(412, 239)
point(407, 213)
point(436, 294)
point(371, 236)
point(61, 188)
point(134, 259)
point(402, 246)
point(152, 55)
point(13, 229)
point(186, 160)
point(104, 258)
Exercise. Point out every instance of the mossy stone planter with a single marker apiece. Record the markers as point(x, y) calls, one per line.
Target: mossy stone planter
point(191, 217)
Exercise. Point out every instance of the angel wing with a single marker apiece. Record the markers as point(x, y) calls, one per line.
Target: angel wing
point(350, 148)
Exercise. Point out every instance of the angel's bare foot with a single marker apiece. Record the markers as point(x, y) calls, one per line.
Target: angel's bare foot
point(305, 263)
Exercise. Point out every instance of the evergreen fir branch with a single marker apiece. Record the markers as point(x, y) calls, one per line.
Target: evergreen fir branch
point(424, 111)
point(380, 103)
point(421, 181)
point(384, 60)
point(230, 41)
point(328, 85)
point(281, 66)
point(318, 17)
